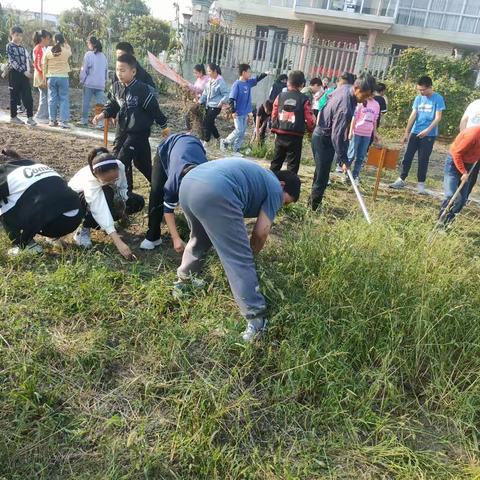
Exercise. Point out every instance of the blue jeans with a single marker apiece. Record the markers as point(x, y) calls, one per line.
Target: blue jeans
point(42, 112)
point(237, 136)
point(88, 94)
point(451, 181)
point(58, 98)
point(357, 150)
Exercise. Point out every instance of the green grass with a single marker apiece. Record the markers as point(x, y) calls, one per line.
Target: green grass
point(370, 368)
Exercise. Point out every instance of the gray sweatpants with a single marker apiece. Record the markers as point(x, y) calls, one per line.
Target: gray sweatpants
point(215, 217)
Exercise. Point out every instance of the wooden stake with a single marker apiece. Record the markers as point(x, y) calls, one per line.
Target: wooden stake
point(379, 173)
point(106, 123)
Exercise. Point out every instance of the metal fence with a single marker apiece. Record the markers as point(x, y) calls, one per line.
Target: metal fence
point(274, 52)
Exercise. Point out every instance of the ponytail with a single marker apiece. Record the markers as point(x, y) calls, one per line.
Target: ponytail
point(59, 41)
point(39, 35)
point(96, 44)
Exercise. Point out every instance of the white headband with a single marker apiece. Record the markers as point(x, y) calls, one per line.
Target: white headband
point(105, 162)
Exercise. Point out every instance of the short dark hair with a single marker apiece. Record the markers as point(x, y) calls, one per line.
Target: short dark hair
point(200, 68)
point(348, 77)
point(243, 67)
point(282, 78)
point(365, 82)
point(381, 87)
point(268, 105)
point(292, 181)
point(296, 79)
point(125, 47)
point(130, 60)
point(101, 154)
point(425, 81)
point(315, 81)
point(15, 29)
point(10, 154)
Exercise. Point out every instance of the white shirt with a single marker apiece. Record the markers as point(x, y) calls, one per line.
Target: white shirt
point(84, 181)
point(473, 114)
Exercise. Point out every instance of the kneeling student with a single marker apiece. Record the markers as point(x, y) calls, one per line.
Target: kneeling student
point(175, 157)
point(216, 197)
point(35, 199)
point(103, 189)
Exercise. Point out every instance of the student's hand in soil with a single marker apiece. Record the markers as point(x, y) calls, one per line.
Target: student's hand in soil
point(125, 251)
point(179, 245)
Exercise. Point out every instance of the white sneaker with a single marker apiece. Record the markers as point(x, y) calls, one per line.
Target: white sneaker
point(398, 184)
point(421, 188)
point(82, 237)
point(357, 181)
point(16, 121)
point(32, 247)
point(254, 328)
point(52, 124)
point(339, 169)
point(237, 155)
point(64, 125)
point(149, 245)
point(41, 120)
point(223, 145)
point(31, 122)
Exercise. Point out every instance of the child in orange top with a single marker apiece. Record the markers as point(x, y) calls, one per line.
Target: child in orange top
point(464, 153)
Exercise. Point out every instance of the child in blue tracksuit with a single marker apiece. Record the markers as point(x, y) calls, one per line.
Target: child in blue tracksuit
point(241, 105)
point(175, 157)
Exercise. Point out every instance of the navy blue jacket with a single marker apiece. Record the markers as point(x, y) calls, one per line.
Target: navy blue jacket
point(335, 119)
point(176, 153)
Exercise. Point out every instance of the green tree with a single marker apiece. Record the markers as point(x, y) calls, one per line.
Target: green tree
point(149, 33)
point(79, 24)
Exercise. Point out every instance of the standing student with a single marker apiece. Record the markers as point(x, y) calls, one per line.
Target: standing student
point(175, 157)
point(216, 197)
point(213, 97)
point(262, 120)
point(93, 77)
point(19, 77)
point(201, 80)
point(56, 69)
point(241, 106)
point(34, 199)
point(123, 48)
point(464, 153)
point(331, 134)
point(291, 117)
point(379, 97)
point(135, 107)
point(103, 190)
point(471, 118)
point(421, 132)
point(42, 40)
point(312, 90)
point(279, 84)
point(363, 129)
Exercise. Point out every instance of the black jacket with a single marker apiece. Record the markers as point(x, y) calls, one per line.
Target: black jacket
point(135, 107)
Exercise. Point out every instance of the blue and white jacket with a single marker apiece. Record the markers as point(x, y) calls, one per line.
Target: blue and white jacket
point(216, 91)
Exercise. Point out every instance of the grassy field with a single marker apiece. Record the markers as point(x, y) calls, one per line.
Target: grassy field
point(370, 369)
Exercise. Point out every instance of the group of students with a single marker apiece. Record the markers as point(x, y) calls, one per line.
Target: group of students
point(50, 62)
point(215, 197)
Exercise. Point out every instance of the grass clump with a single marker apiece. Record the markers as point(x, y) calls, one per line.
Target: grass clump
point(370, 368)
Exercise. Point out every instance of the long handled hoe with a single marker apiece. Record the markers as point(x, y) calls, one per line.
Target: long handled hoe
point(359, 197)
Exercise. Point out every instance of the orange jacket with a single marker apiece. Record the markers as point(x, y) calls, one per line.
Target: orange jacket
point(466, 148)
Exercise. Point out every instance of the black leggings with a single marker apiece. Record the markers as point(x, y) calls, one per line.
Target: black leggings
point(209, 127)
point(155, 203)
point(134, 204)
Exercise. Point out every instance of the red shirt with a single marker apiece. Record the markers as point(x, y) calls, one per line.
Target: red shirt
point(466, 148)
point(37, 58)
point(309, 119)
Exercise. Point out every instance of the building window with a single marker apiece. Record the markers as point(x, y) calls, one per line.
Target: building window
point(260, 43)
point(277, 36)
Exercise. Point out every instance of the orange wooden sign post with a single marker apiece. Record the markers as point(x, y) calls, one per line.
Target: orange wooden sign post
point(106, 123)
point(381, 158)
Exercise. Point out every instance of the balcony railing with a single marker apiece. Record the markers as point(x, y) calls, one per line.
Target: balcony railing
point(380, 8)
